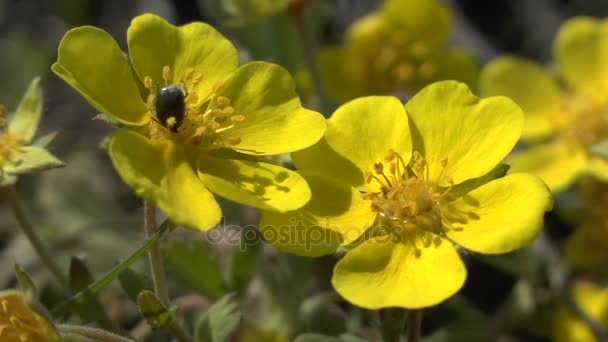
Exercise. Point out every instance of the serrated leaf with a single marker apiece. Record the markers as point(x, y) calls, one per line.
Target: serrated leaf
point(315, 338)
point(79, 278)
point(245, 260)
point(134, 283)
point(32, 159)
point(194, 268)
point(45, 140)
point(27, 116)
point(467, 186)
point(218, 323)
point(154, 312)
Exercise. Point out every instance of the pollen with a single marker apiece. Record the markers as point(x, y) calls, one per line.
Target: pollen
point(9, 143)
point(404, 197)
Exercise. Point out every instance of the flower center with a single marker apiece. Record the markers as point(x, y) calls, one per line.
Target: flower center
point(397, 61)
point(584, 122)
point(179, 112)
point(406, 198)
point(17, 320)
point(9, 144)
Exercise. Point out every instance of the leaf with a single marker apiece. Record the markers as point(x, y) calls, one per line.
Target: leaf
point(467, 186)
point(245, 260)
point(321, 314)
point(79, 277)
point(218, 323)
point(134, 283)
point(45, 140)
point(27, 116)
point(316, 338)
point(26, 284)
point(31, 159)
point(194, 268)
point(155, 313)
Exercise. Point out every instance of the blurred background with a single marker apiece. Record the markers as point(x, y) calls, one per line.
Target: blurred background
point(85, 210)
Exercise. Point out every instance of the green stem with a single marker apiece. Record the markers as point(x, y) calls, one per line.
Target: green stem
point(157, 270)
point(414, 321)
point(97, 286)
point(92, 333)
point(28, 229)
point(393, 320)
point(154, 258)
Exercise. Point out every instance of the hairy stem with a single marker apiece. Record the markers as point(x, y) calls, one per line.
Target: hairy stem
point(30, 232)
point(92, 333)
point(154, 258)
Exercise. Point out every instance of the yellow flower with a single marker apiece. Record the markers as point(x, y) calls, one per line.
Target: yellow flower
point(397, 49)
point(403, 189)
point(174, 156)
point(562, 123)
point(593, 299)
point(18, 322)
point(18, 152)
point(587, 247)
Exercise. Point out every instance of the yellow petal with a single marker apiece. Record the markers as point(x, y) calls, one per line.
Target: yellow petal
point(475, 134)
point(598, 167)
point(591, 298)
point(365, 129)
point(426, 20)
point(334, 206)
point(155, 43)
point(457, 64)
point(500, 216)
point(18, 320)
point(530, 87)
point(416, 273)
point(581, 51)
point(323, 159)
point(160, 172)
point(275, 121)
point(556, 164)
point(261, 185)
point(92, 63)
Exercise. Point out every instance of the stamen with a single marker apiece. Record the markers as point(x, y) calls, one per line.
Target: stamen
point(219, 87)
point(237, 119)
point(167, 74)
point(188, 73)
point(148, 83)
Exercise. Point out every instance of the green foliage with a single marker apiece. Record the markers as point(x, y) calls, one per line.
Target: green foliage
point(194, 268)
point(134, 283)
point(79, 277)
point(218, 323)
point(245, 261)
point(156, 314)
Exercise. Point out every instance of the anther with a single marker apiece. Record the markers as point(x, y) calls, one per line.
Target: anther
point(228, 111)
point(219, 87)
point(237, 119)
point(148, 83)
point(427, 69)
point(378, 168)
point(444, 161)
point(419, 50)
point(188, 73)
point(222, 101)
point(167, 74)
point(234, 141)
point(171, 121)
point(390, 155)
point(196, 79)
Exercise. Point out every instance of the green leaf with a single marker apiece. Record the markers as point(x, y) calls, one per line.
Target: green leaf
point(134, 283)
point(155, 313)
point(45, 140)
point(467, 186)
point(245, 260)
point(79, 278)
point(218, 323)
point(26, 284)
point(316, 338)
point(193, 267)
point(27, 116)
point(31, 159)
point(321, 314)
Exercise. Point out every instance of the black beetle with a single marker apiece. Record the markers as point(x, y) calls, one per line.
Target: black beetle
point(170, 102)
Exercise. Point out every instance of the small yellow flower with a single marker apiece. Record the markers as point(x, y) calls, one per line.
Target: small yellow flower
point(397, 49)
point(19, 323)
point(562, 123)
point(18, 152)
point(591, 298)
point(402, 189)
point(194, 120)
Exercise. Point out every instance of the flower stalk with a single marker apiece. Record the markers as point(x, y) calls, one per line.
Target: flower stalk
point(28, 229)
point(99, 335)
point(157, 271)
point(393, 320)
point(414, 321)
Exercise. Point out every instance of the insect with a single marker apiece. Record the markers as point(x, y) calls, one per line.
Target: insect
point(170, 102)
